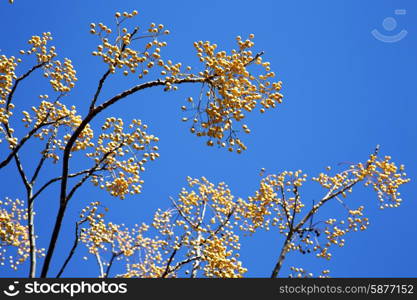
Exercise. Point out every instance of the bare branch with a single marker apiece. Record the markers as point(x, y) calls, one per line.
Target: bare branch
point(100, 264)
point(72, 250)
point(18, 80)
point(43, 158)
point(26, 138)
point(110, 264)
point(171, 258)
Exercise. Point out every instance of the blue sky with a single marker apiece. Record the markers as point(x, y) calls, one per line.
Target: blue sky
point(344, 92)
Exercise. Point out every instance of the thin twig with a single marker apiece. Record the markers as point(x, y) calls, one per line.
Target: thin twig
point(72, 250)
point(18, 80)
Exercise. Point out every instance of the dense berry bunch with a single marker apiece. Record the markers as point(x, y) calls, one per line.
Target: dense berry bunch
point(50, 118)
point(123, 155)
point(275, 203)
point(62, 79)
point(61, 74)
point(39, 48)
point(382, 174)
point(384, 177)
point(14, 233)
point(200, 233)
point(7, 76)
point(123, 243)
point(231, 91)
point(201, 227)
point(117, 52)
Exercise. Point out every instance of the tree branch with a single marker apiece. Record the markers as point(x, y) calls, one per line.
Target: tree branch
point(330, 195)
point(72, 251)
point(18, 80)
point(65, 164)
point(26, 138)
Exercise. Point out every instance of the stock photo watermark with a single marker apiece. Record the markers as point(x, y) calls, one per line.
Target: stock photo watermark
point(390, 25)
point(64, 288)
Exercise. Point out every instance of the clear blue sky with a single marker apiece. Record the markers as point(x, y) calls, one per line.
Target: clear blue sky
point(345, 92)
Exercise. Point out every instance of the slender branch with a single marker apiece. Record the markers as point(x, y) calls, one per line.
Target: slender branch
point(255, 58)
point(72, 251)
point(43, 158)
point(197, 262)
point(48, 183)
point(322, 202)
point(171, 258)
point(100, 86)
point(191, 223)
point(290, 234)
point(22, 173)
point(108, 72)
point(296, 199)
point(32, 236)
point(31, 230)
point(25, 139)
point(185, 261)
point(282, 255)
point(110, 264)
point(284, 206)
point(224, 223)
point(18, 80)
point(80, 183)
point(329, 195)
point(100, 264)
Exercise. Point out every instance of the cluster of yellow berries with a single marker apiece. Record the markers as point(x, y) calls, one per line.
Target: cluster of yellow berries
point(383, 175)
point(99, 236)
point(271, 206)
point(7, 77)
point(117, 53)
point(14, 233)
point(302, 273)
point(335, 232)
point(201, 224)
point(299, 273)
point(123, 155)
point(336, 182)
point(385, 178)
point(231, 91)
point(209, 211)
point(220, 261)
point(49, 117)
point(62, 74)
point(39, 47)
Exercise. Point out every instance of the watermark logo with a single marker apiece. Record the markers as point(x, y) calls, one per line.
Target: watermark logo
point(390, 24)
point(11, 290)
point(70, 289)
